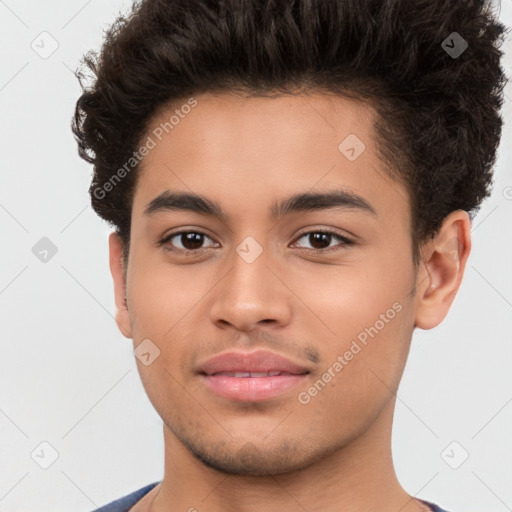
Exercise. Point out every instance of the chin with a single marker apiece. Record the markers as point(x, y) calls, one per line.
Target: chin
point(251, 459)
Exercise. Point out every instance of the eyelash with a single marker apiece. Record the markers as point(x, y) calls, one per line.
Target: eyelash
point(345, 241)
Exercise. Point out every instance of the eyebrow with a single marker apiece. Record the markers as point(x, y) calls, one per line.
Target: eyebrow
point(308, 201)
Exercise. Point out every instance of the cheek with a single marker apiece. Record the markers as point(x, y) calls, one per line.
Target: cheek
point(164, 308)
point(343, 300)
point(161, 294)
point(364, 315)
point(361, 368)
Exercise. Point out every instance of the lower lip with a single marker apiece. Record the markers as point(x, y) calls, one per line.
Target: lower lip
point(251, 389)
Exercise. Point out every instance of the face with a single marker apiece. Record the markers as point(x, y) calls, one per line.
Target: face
point(327, 282)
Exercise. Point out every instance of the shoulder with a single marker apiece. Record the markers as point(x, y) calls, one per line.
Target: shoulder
point(126, 502)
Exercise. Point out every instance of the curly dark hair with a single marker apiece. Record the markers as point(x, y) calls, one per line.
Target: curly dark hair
point(439, 122)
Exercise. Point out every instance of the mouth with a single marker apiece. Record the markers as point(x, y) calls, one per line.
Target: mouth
point(251, 376)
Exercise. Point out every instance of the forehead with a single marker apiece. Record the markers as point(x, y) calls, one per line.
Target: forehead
point(247, 151)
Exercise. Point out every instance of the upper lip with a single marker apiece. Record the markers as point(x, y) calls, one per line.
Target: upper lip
point(258, 361)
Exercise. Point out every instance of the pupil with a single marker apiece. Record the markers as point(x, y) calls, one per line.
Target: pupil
point(195, 239)
point(320, 238)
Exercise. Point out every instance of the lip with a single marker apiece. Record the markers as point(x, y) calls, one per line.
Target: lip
point(251, 388)
point(256, 361)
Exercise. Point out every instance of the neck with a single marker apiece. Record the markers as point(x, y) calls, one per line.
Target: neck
point(356, 477)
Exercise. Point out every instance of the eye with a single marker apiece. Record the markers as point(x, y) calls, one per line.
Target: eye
point(321, 241)
point(190, 241)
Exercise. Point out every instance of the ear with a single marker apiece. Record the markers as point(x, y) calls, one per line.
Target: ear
point(441, 269)
point(116, 269)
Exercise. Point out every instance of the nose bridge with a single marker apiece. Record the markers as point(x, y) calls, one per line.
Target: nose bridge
point(249, 270)
point(248, 280)
point(250, 292)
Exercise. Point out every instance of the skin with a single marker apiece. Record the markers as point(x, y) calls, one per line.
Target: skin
point(278, 455)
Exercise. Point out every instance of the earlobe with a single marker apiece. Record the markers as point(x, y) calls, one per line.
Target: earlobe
point(116, 269)
point(442, 269)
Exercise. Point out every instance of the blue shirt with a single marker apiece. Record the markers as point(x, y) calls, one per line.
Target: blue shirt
point(125, 503)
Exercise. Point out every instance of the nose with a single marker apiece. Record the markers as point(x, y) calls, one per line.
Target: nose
point(251, 295)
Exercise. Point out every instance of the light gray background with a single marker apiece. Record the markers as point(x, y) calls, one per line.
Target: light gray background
point(68, 377)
